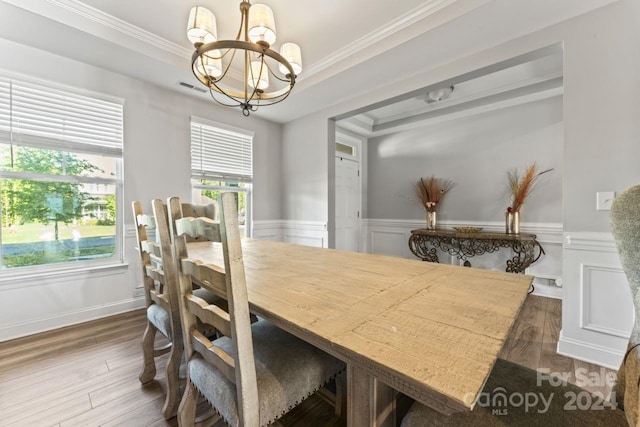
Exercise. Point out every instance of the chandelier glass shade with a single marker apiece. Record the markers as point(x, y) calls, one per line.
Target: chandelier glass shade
point(267, 76)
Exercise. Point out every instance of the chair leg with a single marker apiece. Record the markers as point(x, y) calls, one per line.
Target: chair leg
point(187, 408)
point(173, 382)
point(148, 340)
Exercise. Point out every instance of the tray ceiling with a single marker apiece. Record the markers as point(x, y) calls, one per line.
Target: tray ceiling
point(349, 47)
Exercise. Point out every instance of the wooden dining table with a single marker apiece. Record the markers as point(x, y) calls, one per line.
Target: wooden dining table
point(430, 331)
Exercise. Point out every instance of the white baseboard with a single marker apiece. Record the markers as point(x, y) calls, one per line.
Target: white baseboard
point(548, 291)
point(589, 352)
point(17, 330)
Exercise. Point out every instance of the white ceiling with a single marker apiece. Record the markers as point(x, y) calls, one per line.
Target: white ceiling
point(528, 78)
point(348, 47)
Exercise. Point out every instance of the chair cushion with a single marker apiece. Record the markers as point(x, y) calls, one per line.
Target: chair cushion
point(159, 317)
point(503, 402)
point(287, 369)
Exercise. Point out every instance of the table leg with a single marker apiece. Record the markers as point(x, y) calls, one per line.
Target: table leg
point(370, 403)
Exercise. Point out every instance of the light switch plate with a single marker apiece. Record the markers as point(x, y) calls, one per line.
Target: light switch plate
point(604, 200)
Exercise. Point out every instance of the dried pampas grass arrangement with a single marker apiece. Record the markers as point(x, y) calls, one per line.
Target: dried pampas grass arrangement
point(431, 190)
point(521, 186)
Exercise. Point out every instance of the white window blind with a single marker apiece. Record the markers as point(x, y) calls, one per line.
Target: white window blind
point(219, 153)
point(46, 116)
point(5, 110)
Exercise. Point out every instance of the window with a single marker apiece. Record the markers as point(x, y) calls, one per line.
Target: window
point(345, 149)
point(221, 161)
point(60, 176)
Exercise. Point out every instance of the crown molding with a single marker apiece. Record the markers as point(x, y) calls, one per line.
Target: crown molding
point(364, 118)
point(421, 12)
point(95, 15)
point(359, 124)
point(81, 16)
point(554, 80)
point(76, 14)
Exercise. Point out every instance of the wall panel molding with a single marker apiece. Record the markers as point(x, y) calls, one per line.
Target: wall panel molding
point(597, 309)
point(597, 284)
point(588, 241)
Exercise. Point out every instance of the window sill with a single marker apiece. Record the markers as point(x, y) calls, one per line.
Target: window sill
point(27, 279)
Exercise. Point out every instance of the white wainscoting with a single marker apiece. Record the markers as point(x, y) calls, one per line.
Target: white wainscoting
point(268, 230)
point(308, 233)
point(391, 237)
point(31, 304)
point(597, 308)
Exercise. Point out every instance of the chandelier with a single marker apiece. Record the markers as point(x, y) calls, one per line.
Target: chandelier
point(267, 76)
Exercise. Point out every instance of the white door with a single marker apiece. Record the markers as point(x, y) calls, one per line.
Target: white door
point(347, 204)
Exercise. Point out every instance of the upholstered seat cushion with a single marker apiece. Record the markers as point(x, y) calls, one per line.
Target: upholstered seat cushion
point(159, 317)
point(503, 402)
point(287, 369)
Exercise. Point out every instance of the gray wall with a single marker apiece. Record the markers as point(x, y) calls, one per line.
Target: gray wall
point(475, 152)
point(600, 113)
point(304, 164)
point(156, 129)
point(602, 126)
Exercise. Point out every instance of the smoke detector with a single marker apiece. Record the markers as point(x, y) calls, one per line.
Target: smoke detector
point(439, 94)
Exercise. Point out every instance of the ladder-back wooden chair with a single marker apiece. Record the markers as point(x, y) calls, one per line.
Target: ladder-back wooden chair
point(159, 277)
point(153, 262)
point(509, 379)
point(256, 372)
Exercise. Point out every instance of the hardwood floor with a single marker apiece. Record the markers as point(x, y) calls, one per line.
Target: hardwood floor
point(533, 339)
point(87, 375)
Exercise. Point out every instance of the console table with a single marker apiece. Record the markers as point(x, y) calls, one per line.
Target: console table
point(425, 244)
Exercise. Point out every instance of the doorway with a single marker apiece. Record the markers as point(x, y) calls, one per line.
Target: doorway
point(348, 197)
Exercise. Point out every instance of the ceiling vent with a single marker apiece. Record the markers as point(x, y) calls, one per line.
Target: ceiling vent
point(190, 86)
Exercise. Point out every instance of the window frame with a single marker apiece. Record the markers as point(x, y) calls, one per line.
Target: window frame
point(71, 266)
point(228, 179)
